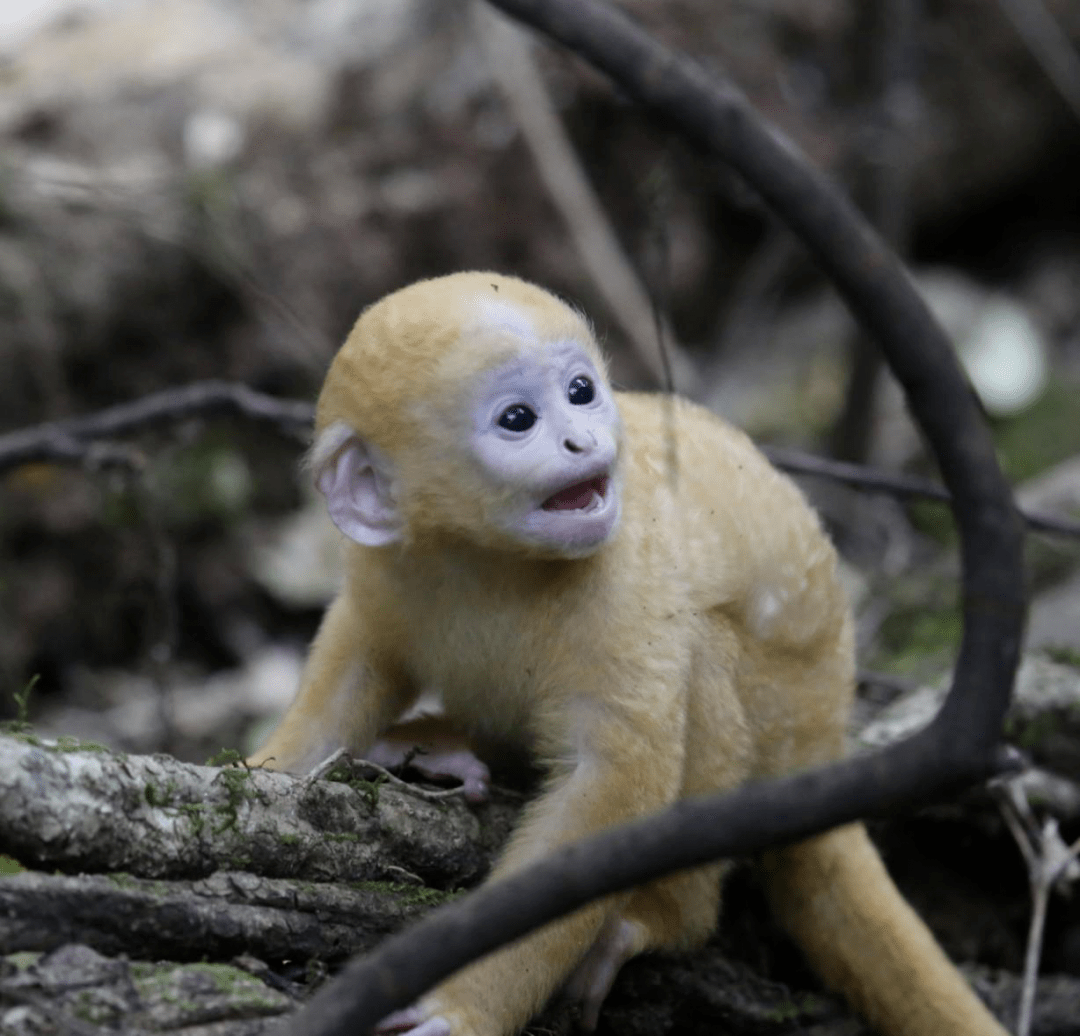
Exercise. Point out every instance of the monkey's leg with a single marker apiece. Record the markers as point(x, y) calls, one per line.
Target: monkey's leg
point(835, 897)
point(501, 992)
point(343, 702)
point(679, 911)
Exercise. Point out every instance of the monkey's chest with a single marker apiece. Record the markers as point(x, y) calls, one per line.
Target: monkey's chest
point(486, 665)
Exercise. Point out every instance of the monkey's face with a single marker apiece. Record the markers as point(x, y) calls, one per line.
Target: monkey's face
point(545, 431)
point(474, 406)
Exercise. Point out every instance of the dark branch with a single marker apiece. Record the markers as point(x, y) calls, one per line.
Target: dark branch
point(899, 485)
point(960, 746)
point(76, 441)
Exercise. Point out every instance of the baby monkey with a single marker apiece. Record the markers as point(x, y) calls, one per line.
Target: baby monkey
point(622, 585)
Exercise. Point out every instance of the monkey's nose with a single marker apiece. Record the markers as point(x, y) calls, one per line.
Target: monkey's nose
point(579, 442)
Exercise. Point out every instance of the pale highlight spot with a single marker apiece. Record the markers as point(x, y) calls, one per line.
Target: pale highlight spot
point(766, 605)
point(327, 444)
point(495, 315)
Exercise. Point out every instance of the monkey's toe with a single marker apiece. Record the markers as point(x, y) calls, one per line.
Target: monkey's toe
point(411, 1022)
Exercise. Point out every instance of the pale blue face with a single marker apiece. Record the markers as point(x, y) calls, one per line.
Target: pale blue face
point(546, 429)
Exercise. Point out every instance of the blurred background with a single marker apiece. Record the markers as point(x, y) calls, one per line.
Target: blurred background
point(195, 189)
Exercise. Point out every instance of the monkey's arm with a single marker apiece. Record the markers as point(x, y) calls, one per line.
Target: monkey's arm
point(346, 697)
point(500, 993)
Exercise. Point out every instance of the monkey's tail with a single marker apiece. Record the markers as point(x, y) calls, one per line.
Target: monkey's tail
point(833, 894)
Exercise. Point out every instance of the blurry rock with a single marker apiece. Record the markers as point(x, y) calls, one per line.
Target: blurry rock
point(1043, 719)
point(1054, 617)
point(299, 559)
point(266, 683)
point(797, 374)
point(1003, 352)
point(138, 717)
point(1054, 491)
point(212, 138)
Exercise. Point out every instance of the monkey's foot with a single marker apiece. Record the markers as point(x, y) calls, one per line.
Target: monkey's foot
point(592, 979)
point(435, 764)
point(411, 1022)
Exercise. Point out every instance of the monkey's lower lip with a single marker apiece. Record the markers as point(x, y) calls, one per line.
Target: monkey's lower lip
point(578, 496)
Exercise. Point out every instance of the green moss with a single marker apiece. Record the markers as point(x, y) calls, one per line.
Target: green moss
point(64, 743)
point(369, 789)
point(1063, 654)
point(24, 958)
point(67, 743)
point(412, 895)
point(787, 1012)
point(238, 787)
point(914, 639)
point(122, 880)
point(196, 814)
point(799, 1006)
point(1044, 434)
point(226, 757)
point(159, 797)
point(1030, 734)
point(129, 883)
point(289, 839)
point(92, 1005)
point(165, 985)
point(20, 725)
point(9, 865)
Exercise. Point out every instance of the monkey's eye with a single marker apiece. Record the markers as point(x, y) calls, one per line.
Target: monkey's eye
point(517, 418)
point(581, 391)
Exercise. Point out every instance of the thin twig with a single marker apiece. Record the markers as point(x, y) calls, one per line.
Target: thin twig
point(889, 171)
point(162, 630)
point(754, 300)
point(343, 760)
point(1049, 45)
point(560, 170)
point(71, 440)
point(899, 485)
point(1049, 862)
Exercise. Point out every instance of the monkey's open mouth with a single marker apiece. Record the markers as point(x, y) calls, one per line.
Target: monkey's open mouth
point(580, 496)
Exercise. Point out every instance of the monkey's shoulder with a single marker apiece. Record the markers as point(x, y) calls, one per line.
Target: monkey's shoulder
point(702, 499)
point(701, 457)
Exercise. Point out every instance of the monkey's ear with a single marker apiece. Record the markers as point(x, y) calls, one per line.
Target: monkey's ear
point(356, 483)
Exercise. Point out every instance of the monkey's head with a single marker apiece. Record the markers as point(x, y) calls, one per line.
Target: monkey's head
point(474, 405)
